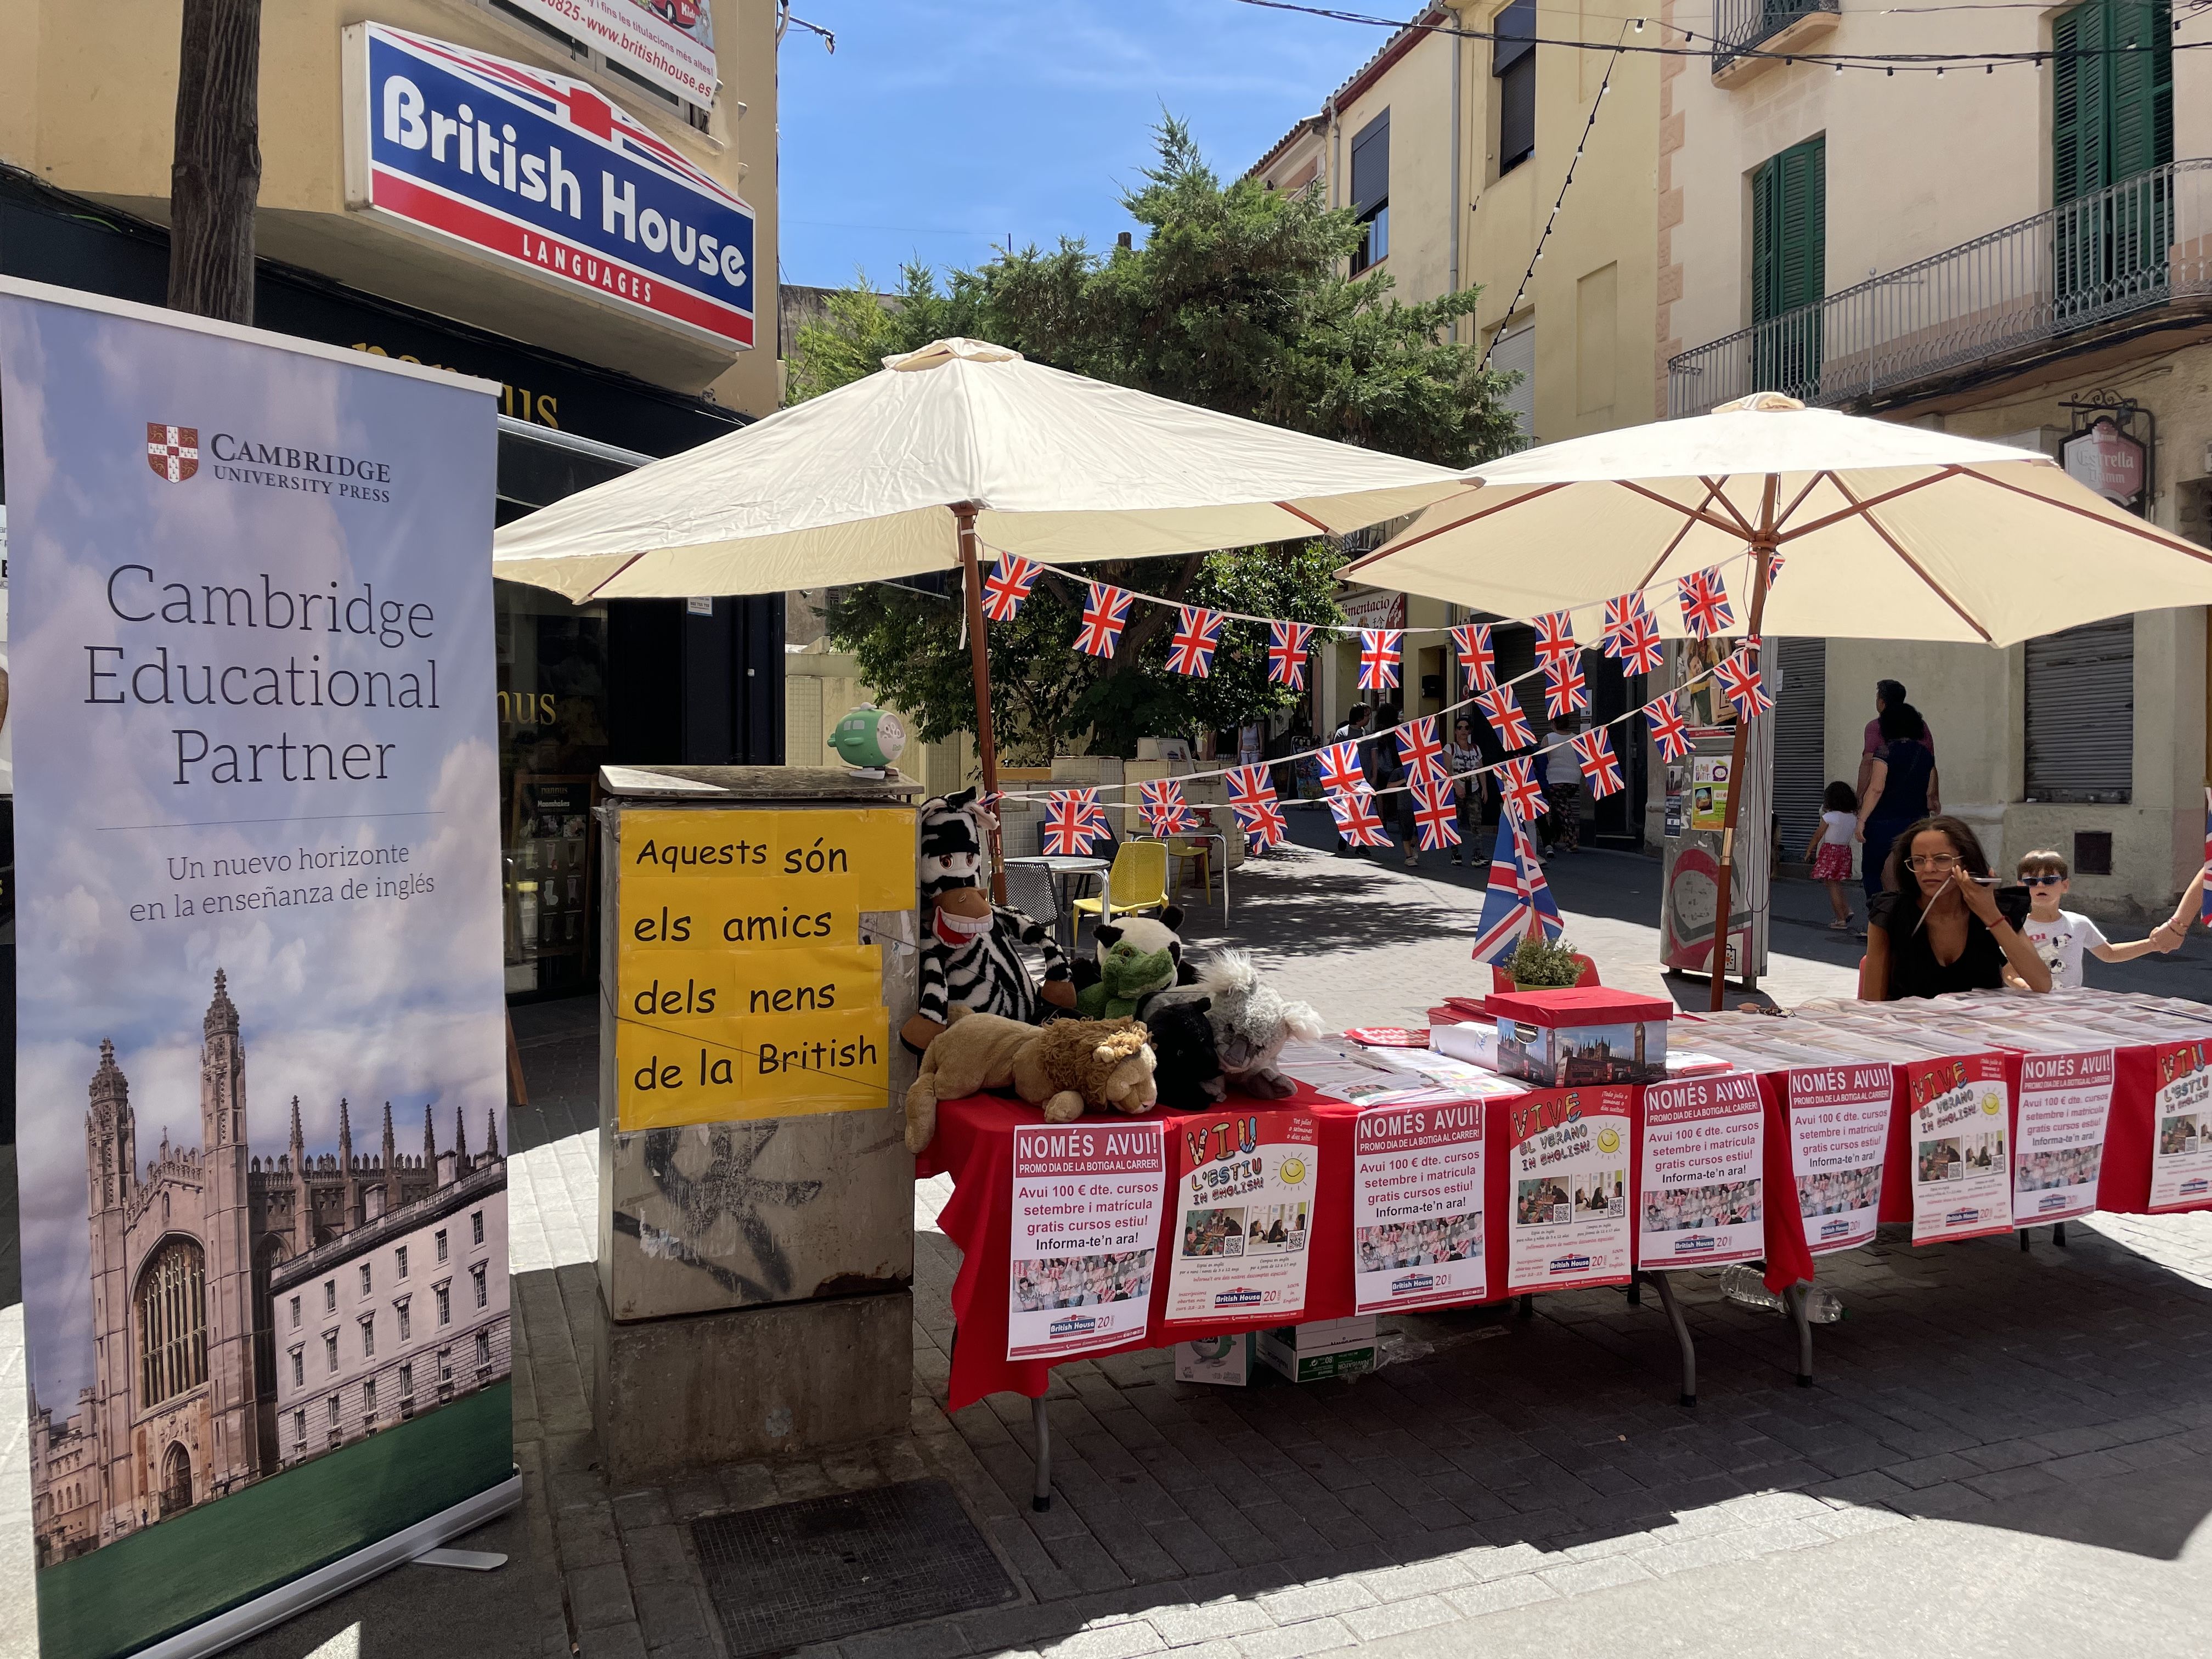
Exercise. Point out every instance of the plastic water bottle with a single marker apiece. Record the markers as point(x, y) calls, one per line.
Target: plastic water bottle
point(1743, 1284)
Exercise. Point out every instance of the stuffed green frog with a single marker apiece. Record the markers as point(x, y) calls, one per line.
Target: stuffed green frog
point(1126, 976)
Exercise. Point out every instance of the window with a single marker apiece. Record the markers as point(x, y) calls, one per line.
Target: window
point(483, 1348)
point(441, 1243)
point(1513, 65)
point(406, 1383)
point(295, 1313)
point(300, 1428)
point(299, 1369)
point(368, 1400)
point(1370, 191)
point(445, 1306)
point(330, 1350)
point(2111, 120)
point(476, 1274)
point(329, 1295)
point(1790, 264)
point(368, 1337)
point(334, 1410)
point(476, 1228)
point(364, 1279)
point(171, 1322)
point(1515, 354)
point(399, 1262)
point(406, 1324)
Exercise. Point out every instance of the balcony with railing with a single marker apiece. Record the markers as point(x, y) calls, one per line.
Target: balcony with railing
point(1762, 27)
point(2063, 277)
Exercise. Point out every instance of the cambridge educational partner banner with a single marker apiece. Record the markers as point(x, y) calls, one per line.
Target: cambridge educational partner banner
point(259, 1043)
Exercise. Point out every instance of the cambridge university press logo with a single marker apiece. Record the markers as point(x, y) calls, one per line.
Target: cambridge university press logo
point(173, 452)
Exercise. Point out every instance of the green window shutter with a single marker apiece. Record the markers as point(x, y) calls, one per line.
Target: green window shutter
point(1764, 188)
point(2141, 83)
point(1788, 230)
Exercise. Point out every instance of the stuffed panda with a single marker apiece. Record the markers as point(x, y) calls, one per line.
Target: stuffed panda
point(1147, 935)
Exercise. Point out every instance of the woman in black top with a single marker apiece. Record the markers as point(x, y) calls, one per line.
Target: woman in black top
point(1901, 789)
point(1939, 929)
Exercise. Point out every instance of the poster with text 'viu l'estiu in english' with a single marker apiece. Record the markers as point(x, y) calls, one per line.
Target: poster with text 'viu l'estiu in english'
point(1246, 1184)
point(2181, 1125)
point(259, 1040)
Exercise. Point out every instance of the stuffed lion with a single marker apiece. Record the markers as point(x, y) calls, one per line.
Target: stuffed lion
point(1074, 1064)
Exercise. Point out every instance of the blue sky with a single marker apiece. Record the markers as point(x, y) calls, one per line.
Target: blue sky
point(939, 127)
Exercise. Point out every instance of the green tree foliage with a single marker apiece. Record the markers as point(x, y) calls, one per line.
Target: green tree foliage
point(1237, 301)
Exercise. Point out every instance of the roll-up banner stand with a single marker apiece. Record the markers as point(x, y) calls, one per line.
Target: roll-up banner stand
point(260, 1046)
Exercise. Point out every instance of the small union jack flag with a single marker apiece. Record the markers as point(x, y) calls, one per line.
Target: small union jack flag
point(1436, 814)
point(1197, 637)
point(1564, 691)
point(1163, 807)
point(1668, 729)
point(1418, 751)
point(1287, 654)
point(1476, 659)
point(1637, 646)
point(1252, 798)
point(1519, 903)
point(1555, 637)
point(1073, 823)
point(1524, 796)
point(1600, 766)
point(1738, 674)
point(1356, 819)
point(1104, 615)
point(1378, 658)
point(1705, 610)
point(1340, 771)
point(1007, 586)
point(1619, 613)
point(1506, 717)
point(1774, 563)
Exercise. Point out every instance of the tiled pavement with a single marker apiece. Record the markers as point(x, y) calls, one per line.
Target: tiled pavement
point(1976, 1395)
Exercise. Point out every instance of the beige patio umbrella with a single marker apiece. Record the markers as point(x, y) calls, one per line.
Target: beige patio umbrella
point(962, 442)
point(1887, 532)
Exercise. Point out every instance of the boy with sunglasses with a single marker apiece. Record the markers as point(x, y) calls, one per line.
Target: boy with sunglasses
point(2059, 936)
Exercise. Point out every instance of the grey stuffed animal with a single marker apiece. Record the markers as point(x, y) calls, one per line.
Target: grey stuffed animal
point(1251, 1022)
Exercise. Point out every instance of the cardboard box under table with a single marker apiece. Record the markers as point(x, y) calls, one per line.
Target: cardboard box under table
point(756, 1195)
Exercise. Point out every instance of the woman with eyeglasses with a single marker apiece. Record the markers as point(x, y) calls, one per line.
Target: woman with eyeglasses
point(1939, 930)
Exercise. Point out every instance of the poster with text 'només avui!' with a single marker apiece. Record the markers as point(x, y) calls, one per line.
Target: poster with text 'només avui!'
point(1417, 1206)
point(1086, 1221)
point(1572, 1151)
point(259, 1039)
point(2059, 1154)
point(1245, 1189)
point(1839, 1134)
point(1961, 1152)
point(1702, 1194)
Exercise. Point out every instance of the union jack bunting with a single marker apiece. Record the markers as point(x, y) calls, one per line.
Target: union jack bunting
point(1007, 586)
point(1524, 796)
point(1073, 823)
point(1555, 637)
point(1600, 766)
point(1419, 753)
point(1356, 820)
point(1668, 729)
point(1163, 807)
point(1436, 814)
point(1287, 654)
point(1565, 690)
point(1378, 658)
point(1619, 613)
point(1264, 825)
point(1705, 610)
point(1252, 798)
point(1197, 637)
point(1739, 677)
point(1506, 717)
point(1340, 771)
point(1104, 614)
point(1519, 903)
point(1774, 563)
point(1476, 659)
point(1637, 646)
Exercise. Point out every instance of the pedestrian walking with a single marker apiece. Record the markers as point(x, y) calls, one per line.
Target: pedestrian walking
point(1891, 694)
point(1462, 756)
point(1900, 788)
point(1830, 849)
point(1563, 788)
point(1353, 729)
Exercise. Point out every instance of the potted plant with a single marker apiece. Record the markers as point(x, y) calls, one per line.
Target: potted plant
point(1543, 964)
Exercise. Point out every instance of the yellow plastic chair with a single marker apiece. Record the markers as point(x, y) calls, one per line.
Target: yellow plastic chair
point(1185, 854)
point(1137, 881)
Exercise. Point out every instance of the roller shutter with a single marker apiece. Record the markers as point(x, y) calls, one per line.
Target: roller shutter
point(1801, 740)
point(2081, 714)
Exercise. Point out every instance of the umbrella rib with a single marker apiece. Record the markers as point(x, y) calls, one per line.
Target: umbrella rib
point(1864, 511)
point(1442, 529)
point(2149, 533)
point(1308, 516)
point(615, 576)
point(1695, 514)
point(1668, 552)
point(1719, 488)
point(1860, 506)
point(1798, 501)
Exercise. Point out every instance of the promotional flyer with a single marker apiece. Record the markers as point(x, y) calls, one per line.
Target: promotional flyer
point(1703, 1202)
point(1961, 1162)
point(1838, 1128)
point(2181, 1126)
point(1086, 1221)
point(1245, 1189)
point(1417, 1206)
point(2059, 1149)
point(260, 1036)
point(1572, 1153)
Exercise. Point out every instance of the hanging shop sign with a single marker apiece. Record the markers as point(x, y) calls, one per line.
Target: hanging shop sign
point(535, 171)
point(670, 43)
point(2108, 460)
point(267, 1330)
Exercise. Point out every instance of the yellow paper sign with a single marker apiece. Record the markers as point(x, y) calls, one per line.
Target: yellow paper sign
point(749, 914)
point(752, 1068)
point(699, 990)
point(691, 846)
point(873, 843)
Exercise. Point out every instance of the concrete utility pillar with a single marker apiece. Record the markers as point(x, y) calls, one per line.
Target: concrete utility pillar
point(756, 1193)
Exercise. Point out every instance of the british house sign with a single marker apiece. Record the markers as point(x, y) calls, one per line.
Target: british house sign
point(532, 169)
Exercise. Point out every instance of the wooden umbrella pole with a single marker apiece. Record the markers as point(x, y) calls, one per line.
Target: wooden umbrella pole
point(1762, 551)
point(979, 664)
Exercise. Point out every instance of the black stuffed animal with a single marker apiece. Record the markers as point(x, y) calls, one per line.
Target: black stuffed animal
point(1186, 1069)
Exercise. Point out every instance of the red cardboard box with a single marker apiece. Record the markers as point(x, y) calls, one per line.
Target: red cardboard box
point(1581, 1035)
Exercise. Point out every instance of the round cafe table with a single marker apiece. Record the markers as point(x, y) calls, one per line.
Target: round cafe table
point(1066, 869)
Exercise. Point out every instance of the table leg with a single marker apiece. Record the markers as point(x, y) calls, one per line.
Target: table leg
point(1799, 1297)
point(1634, 1290)
point(1040, 1496)
point(2059, 1234)
point(1527, 1308)
point(1681, 1335)
point(2023, 1241)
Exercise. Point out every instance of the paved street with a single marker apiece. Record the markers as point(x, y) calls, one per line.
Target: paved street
point(2003, 1447)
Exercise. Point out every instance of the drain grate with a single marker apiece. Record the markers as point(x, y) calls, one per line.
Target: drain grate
point(826, 1567)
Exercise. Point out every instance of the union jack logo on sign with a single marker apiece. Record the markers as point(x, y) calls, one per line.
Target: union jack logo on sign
point(1524, 796)
point(1436, 814)
point(1197, 637)
point(1419, 753)
point(1555, 637)
point(1476, 659)
point(1104, 614)
point(1565, 690)
point(1287, 654)
point(173, 452)
point(1637, 646)
point(1739, 677)
point(1356, 820)
point(1600, 766)
point(1706, 609)
point(1007, 586)
point(1506, 718)
point(1378, 658)
point(1668, 729)
point(1340, 769)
